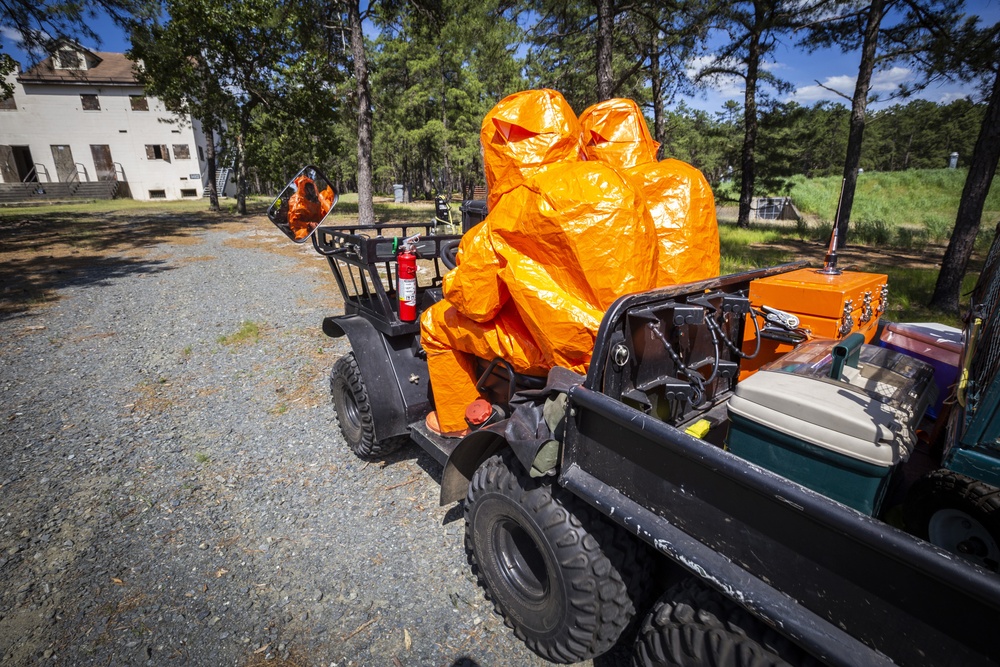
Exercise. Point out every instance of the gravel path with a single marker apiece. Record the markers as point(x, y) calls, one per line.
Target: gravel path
point(174, 489)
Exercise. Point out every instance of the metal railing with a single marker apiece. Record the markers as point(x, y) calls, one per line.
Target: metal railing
point(35, 172)
point(80, 167)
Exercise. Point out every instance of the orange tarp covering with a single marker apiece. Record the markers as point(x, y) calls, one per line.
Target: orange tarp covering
point(306, 207)
point(563, 240)
point(524, 133)
point(678, 195)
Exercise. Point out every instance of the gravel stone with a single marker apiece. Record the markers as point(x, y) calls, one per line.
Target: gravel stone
point(155, 473)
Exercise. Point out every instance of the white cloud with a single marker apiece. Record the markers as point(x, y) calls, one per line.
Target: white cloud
point(889, 82)
point(817, 93)
point(948, 98)
point(883, 84)
point(725, 85)
point(9, 33)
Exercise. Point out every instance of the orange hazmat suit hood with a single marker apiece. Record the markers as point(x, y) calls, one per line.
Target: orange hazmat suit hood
point(524, 134)
point(614, 132)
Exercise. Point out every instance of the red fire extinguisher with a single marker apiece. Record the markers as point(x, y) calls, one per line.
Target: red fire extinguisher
point(406, 283)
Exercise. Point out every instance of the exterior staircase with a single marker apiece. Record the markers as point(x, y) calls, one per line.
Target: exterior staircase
point(221, 178)
point(25, 193)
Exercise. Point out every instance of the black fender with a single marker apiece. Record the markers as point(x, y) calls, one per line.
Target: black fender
point(374, 354)
point(467, 456)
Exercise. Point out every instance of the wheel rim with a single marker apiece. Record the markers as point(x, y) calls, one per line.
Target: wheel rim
point(521, 562)
point(960, 533)
point(348, 411)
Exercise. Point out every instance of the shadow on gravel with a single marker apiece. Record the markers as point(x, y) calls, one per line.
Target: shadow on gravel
point(35, 281)
point(42, 251)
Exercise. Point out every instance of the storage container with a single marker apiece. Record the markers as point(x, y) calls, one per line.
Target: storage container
point(842, 438)
point(474, 211)
point(937, 344)
point(830, 306)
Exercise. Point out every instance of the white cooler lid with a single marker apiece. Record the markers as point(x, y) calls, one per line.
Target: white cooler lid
point(824, 414)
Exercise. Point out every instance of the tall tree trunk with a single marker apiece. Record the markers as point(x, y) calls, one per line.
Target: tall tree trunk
point(213, 190)
point(366, 206)
point(859, 105)
point(605, 24)
point(656, 88)
point(243, 170)
point(748, 165)
point(446, 177)
point(982, 169)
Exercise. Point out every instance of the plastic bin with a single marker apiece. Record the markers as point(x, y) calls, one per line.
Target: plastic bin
point(474, 211)
point(937, 344)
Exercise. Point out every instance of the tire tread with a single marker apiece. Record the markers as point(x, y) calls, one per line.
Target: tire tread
point(367, 447)
point(604, 569)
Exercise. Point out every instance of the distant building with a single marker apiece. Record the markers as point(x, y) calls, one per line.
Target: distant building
point(81, 116)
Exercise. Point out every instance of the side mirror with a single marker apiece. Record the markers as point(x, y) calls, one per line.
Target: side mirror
point(303, 204)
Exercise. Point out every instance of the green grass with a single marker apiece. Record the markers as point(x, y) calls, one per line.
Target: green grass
point(909, 288)
point(904, 208)
point(131, 207)
point(249, 332)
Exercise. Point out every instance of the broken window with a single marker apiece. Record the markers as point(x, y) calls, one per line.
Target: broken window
point(182, 152)
point(139, 102)
point(157, 152)
point(90, 102)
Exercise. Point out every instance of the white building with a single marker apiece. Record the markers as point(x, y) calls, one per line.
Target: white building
point(82, 116)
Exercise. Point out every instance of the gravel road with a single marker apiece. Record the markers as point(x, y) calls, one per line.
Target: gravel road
point(174, 489)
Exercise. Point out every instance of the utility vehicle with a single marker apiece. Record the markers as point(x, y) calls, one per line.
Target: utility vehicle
point(642, 503)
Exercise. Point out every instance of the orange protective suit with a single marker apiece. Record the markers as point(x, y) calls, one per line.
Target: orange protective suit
point(307, 207)
point(562, 241)
point(677, 195)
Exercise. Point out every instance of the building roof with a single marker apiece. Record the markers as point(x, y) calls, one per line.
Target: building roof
point(103, 68)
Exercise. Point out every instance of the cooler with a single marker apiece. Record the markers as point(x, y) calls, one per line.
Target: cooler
point(830, 306)
point(937, 344)
point(840, 437)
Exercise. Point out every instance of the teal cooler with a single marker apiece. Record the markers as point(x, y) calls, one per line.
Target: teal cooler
point(841, 437)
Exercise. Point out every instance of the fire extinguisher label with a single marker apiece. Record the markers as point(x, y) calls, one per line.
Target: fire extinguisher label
point(408, 291)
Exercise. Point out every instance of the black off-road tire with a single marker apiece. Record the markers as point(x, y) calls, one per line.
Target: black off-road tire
point(956, 513)
point(354, 411)
point(693, 625)
point(562, 577)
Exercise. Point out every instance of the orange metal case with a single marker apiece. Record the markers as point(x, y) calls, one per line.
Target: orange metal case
point(829, 306)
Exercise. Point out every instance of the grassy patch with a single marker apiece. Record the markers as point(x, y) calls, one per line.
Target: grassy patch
point(202, 458)
point(249, 332)
point(924, 201)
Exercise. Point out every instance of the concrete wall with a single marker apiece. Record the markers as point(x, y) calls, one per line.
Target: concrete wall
point(52, 114)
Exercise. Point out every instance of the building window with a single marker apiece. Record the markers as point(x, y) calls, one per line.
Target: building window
point(8, 104)
point(201, 154)
point(138, 102)
point(68, 59)
point(182, 152)
point(189, 192)
point(157, 152)
point(90, 102)
point(157, 194)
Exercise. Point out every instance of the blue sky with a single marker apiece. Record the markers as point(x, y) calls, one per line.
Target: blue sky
point(830, 68)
